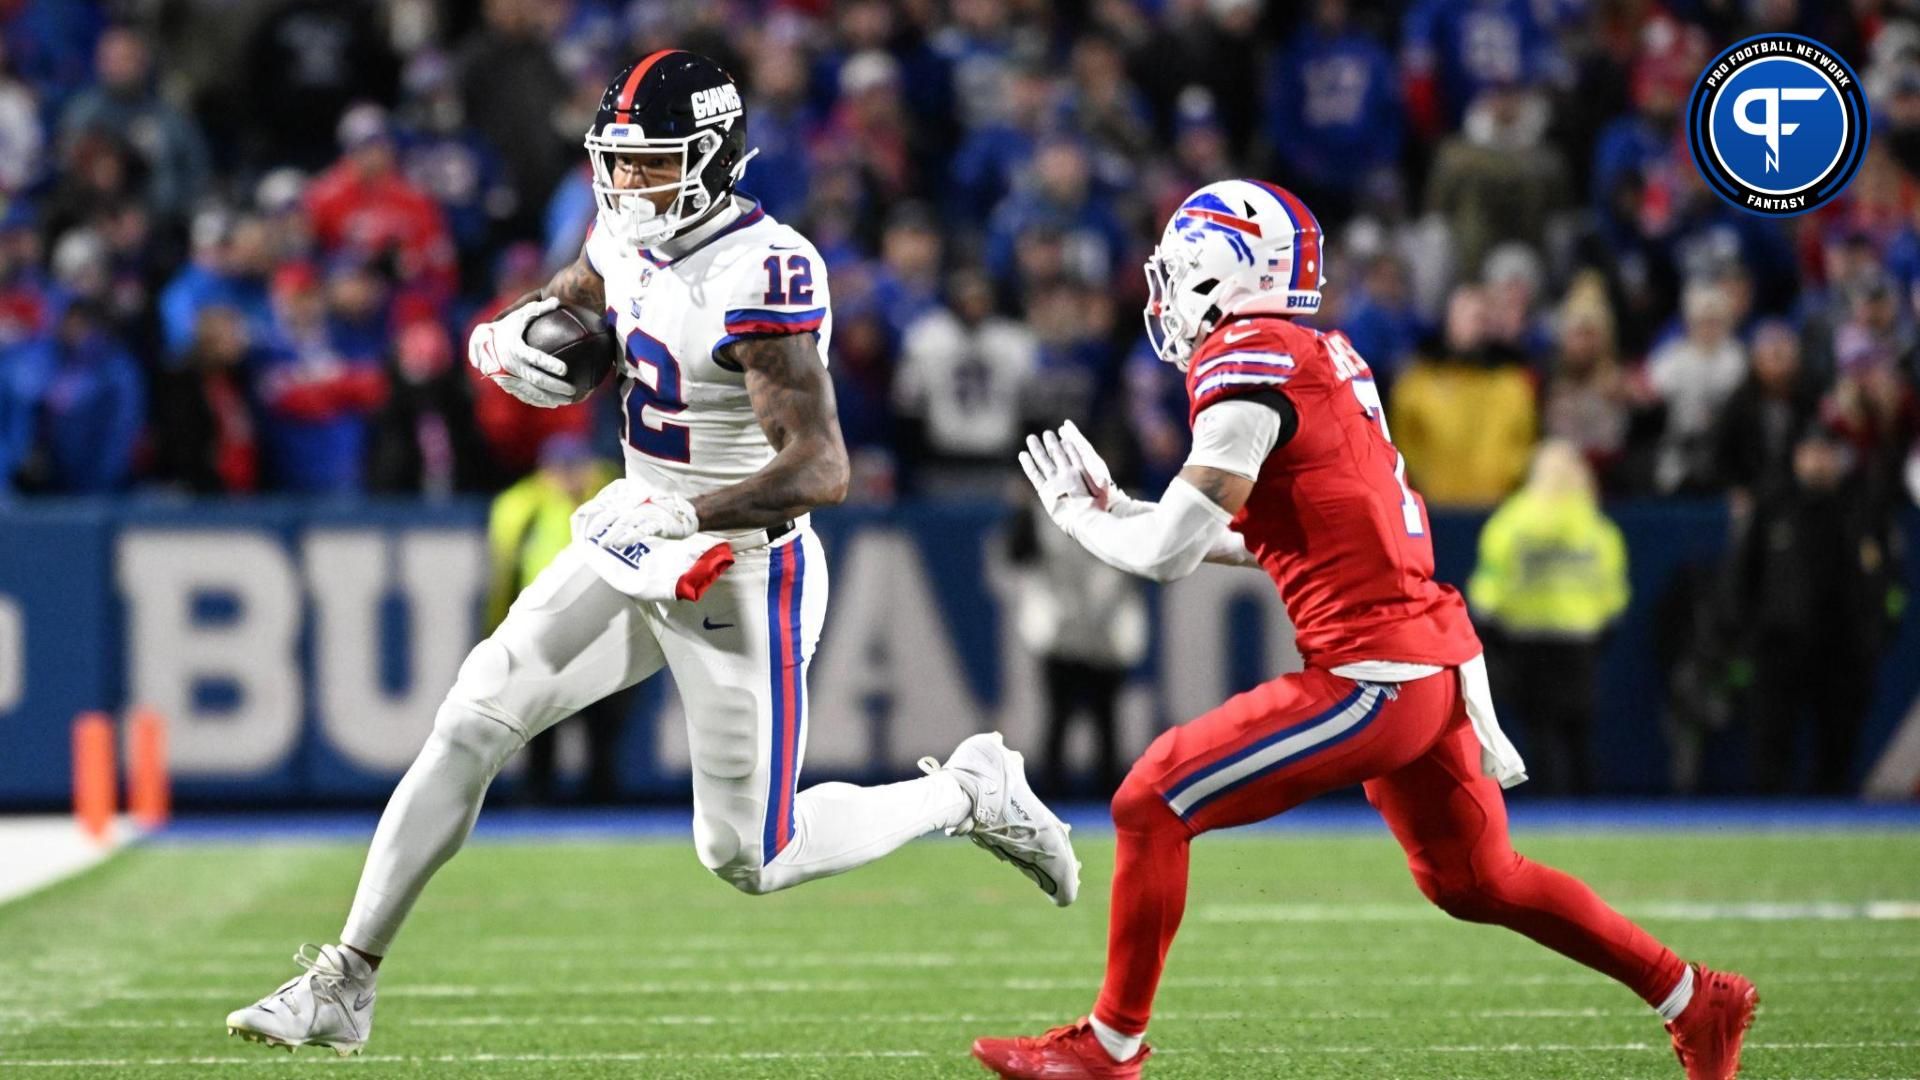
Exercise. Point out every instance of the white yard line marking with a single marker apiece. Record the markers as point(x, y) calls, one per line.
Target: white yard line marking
point(758, 960)
point(1530, 1048)
point(1304, 1050)
point(862, 986)
point(327, 1058)
point(485, 1020)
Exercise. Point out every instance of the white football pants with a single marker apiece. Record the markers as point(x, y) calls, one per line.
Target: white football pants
point(739, 657)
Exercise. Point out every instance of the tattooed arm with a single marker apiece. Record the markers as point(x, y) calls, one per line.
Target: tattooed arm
point(793, 399)
point(576, 283)
point(1226, 490)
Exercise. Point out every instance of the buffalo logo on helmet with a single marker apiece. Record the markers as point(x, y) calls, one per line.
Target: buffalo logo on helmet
point(1235, 247)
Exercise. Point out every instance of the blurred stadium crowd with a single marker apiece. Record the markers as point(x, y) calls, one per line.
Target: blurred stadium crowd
point(242, 243)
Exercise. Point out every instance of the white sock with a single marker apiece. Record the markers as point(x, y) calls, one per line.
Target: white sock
point(1676, 1002)
point(1118, 1047)
point(840, 826)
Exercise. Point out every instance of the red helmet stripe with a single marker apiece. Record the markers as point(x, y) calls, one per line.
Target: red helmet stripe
point(633, 81)
point(1306, 247)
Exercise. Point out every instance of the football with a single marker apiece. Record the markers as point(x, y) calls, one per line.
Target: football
point(581, 338)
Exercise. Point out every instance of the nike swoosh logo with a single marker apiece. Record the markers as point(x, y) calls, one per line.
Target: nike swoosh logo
point(707, 623)
point(779, 247)
point(1231, 338)
point(1040, 877)
point(360, 1003)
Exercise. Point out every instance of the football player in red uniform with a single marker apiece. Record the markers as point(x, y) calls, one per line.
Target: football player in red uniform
point(1293, 470)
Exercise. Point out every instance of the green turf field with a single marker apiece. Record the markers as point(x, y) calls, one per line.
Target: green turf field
point(1301, 958)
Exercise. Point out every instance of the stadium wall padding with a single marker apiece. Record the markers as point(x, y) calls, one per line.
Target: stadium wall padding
point(299, 649)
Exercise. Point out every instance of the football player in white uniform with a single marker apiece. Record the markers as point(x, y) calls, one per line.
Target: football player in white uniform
point(731, 438)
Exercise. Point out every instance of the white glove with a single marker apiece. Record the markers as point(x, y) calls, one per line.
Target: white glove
point(1058, 474)
point(627, 511)
point(1107, 495)
point(499, 350)
point(657, 570)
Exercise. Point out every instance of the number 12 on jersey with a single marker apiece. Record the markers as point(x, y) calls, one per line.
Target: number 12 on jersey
point(1348, 365)
point(655, 385)
point(797, 285)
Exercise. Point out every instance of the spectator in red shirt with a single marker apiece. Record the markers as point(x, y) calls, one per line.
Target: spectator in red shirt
point(366, 204)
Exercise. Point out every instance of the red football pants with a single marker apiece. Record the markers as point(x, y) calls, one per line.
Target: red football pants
point(1288, 740)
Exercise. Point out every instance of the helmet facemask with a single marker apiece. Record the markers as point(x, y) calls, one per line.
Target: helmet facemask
point(1179, 311)
point(630, 212)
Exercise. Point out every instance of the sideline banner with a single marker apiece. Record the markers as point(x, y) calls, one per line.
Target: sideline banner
point(299, 650)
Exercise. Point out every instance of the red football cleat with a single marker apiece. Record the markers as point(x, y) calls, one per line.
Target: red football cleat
point(1065, 1053)
point(1707, 1036)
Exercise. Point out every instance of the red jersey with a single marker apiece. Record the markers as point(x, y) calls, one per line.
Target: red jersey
point(1331, 518)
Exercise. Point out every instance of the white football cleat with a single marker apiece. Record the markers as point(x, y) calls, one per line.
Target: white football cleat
point(1008, 819)
point(330, 1005)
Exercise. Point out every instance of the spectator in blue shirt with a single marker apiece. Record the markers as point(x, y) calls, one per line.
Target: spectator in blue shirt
point(782, 123)
point(1156, 414)
point(231, 256)
point(51, 44)
point(1334, 111)
point(1643, 142)
point(986, 164)
point(23, 289)
point(315, 394)
point(444, 156)
point(72, 407)
point(1105, 108)
point(1455, 50)
point(978, 47)
point(906, 279)
point(1079, 370)
point(1379, 316)
point(1057, 197)
point(570, 212)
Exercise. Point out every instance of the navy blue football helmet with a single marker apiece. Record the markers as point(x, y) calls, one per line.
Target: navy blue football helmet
point(671, 102)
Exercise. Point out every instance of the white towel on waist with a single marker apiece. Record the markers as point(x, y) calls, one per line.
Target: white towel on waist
point(1498, 758)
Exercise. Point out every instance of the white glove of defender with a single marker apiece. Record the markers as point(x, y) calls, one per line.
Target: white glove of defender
point(627, 511)
point(1107, 495)
point(1056, 471)
point(499, 350)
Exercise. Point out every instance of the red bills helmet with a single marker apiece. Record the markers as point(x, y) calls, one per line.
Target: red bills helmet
point(1236, 247)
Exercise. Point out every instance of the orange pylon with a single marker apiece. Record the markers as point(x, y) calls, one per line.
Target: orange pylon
point(149, 789)
point(93, 779)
